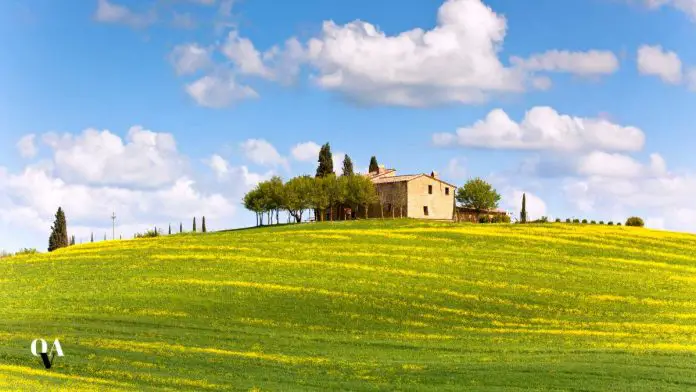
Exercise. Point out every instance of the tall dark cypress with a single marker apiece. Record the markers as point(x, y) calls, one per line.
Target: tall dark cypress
point(374, 166)
point(325, 161)
point(59, 232)
point(203, 228)
point(91, 238)
point(347, 166)
point(523, 213)
point(194, 224)
point(181, 227)
point(170, 229)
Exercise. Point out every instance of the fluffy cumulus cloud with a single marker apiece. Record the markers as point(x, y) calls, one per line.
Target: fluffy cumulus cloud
point(26, 146)
point(261, 152)
point(219, 90)
point(306, 152)
point(655, 61)
point(144, 159)
point(456, 61)
point(190, 58)
point(544, 129)
point(590, 63)
point(616, 165)
point(143, 178)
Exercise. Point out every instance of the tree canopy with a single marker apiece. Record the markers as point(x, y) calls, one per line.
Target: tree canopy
point(347, 166)
point(374, 166)
point(478, 195)
point(59, 232)
point(325, 161)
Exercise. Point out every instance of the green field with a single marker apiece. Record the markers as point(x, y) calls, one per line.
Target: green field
point(378, 305)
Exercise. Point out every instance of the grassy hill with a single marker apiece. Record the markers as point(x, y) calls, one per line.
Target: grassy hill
point(378, 305)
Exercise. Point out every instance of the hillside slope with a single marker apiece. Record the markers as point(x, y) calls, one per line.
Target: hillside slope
point(361, 306)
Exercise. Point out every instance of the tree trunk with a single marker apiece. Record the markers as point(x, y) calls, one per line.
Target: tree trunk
point(367, 211)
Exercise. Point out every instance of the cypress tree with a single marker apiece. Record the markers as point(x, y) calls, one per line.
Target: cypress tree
point(181, 227)
point(170, 229)
point(91, 238)
point(374, 166)
point(104, 236)
point(194, 224)
point(325, 161)
point(203, 228)
point(59, 232)
point(72, 240)
point(523, 213)
point(347, 166)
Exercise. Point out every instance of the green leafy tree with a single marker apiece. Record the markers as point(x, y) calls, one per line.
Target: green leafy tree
point(635, 222)
point(203, 228)
point(325, 161)
point(478, 195)
point(298, 197)
point(360, 192)
point(374, 166)
point(335, 192)
point(347, 166)
point(59, 232)
point(194, 224)
point(523, 212)
point(252, 202)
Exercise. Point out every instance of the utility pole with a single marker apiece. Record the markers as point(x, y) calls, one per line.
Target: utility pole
point(113, 225)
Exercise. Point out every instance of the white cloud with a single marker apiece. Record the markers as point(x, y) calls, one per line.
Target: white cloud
point(190, 58)
point(512, 201)
point(306, 152)
point(653, 60)
point(217, 91)
point(337, 158)
point(109, 12)
point(593, 62)
point(26, 146)
point(686, 6)
point(242, 52)
point(544, 129)
point(183, 20)
point(262, 152)
point(225, 172)
point(457, 61)
point(146, 159)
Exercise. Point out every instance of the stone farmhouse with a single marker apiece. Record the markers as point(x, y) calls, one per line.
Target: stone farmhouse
point(421, 196)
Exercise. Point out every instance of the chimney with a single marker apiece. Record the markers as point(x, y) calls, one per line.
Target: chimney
point(435, 175)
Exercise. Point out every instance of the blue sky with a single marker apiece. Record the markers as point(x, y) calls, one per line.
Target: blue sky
point(190, 102)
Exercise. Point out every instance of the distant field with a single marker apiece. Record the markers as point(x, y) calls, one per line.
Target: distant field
point(378, 305)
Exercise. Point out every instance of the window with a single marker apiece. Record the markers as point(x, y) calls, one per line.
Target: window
point(430, 189)
point(425, 210)
point(447, 191)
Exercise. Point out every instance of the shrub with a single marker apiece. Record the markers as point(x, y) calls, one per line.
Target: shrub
point(484, 219)
point(26, 251)
point(635, 222)
point(4, 254)
point(611, 223)
point(568, 220)
point(593, 222)
point(558, 220)
point(500, 219)
point(584, 221)
point(148, 234)
point(601, 222)
point(618, 223)
point(576, 220)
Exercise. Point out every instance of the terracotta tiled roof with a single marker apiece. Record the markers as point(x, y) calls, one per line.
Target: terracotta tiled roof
point(389, 180)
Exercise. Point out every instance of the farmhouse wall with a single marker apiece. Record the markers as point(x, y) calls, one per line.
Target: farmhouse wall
point(439, 203)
